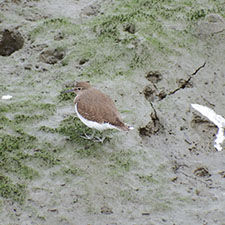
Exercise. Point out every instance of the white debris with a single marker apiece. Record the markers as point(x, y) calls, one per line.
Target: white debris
point(6, 97)
point(130, 127)
point(218, 120)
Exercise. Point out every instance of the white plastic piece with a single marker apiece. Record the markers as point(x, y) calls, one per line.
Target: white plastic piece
point(218, 120)
point(6, 97)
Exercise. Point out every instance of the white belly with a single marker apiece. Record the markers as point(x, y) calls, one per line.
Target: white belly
point(95, 125)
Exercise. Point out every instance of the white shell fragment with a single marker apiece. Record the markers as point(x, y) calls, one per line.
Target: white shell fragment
point(6, 97)
point(218, 120)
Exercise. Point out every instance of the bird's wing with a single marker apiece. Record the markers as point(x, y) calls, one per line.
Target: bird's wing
point(98, 107)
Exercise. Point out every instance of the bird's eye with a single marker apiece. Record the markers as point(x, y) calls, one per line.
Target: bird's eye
point(78, 88)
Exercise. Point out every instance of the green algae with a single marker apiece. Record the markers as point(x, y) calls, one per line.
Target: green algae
point(16, 152)
point(147, 178)
point(73, 171)
point(66, 96)
point(8, 189)
point(28, 106)
point(121, 161)
point(11, 143)
point(19, 118)
point(4, 121)
point(92, 150)
point(110, 49)
point(73, 128)
point(127, 195)
point(47, 129)
point(63, 25)
point(47, 158)
point(75, 131)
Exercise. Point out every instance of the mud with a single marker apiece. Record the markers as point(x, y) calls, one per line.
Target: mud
point(154, 58)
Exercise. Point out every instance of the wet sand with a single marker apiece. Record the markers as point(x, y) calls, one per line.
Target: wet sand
point(154, 59)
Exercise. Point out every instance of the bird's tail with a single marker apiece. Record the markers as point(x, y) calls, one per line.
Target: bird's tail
point(126, 127)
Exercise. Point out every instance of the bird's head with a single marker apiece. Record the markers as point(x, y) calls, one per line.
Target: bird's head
point(79, 87)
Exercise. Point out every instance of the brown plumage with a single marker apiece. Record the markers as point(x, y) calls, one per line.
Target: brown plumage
point(95, 106)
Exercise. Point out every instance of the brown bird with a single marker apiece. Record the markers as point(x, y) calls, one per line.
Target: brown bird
point(95, 109)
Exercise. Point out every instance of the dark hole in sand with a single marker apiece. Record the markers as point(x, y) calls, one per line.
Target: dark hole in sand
point(10, 41)
point(154, 76)
point(153, 127)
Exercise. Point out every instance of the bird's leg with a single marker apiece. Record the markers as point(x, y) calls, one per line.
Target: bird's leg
point(99, 139)
point(93, 137)
point(85, 136)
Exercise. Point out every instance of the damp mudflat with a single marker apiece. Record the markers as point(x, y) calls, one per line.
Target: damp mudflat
point(154, 59)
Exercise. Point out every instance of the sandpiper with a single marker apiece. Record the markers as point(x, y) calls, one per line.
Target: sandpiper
point(95, 109)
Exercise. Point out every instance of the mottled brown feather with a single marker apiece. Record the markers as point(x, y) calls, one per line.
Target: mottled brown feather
point(93, 105)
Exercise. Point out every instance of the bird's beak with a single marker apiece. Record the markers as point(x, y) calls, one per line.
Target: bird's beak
point(68, 91)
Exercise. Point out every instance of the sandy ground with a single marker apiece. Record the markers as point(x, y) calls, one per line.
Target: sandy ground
point(154, 59)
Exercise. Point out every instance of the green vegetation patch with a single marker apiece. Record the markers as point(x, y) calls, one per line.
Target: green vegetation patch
point(122, 160)
point(92, 150)
point(131, 33)
point(47, 155)
point(72, 170)
point(4, 121)
point(147, 178)
point(128, 36)
point(66, 96)
point(16, 153)
point(19, 118)
point(125, 37)
point(73, 128)
point(60, 25)
point(10, 190)
point(28, 107)
point(11, 143)
point(76, 132)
